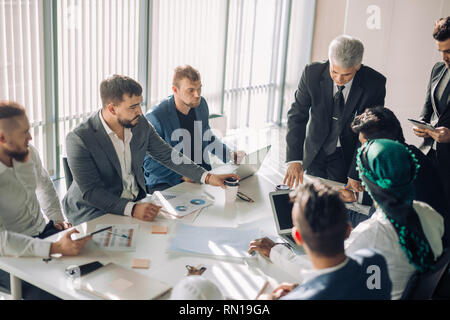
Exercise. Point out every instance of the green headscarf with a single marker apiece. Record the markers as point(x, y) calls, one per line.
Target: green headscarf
point(387, 169)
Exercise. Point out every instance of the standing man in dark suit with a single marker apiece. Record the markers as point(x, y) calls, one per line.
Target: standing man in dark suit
point(436, 110)
point(330, 94)
point(106, 153)
point(184, 115)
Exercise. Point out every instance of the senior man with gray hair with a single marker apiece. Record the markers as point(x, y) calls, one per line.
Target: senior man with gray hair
point(330, 94)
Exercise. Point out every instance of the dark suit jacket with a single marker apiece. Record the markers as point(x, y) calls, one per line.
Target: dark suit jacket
point(309, 119)
point(349, 282)
point(431, 114)
point(165, 120)
point(97, 176)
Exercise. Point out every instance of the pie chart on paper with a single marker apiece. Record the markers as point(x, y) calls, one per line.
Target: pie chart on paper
point(198, 202)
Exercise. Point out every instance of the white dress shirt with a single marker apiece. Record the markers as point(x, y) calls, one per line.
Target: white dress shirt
point(19, 245)
point(377, 233)
point(25, 189)
point(123, 151)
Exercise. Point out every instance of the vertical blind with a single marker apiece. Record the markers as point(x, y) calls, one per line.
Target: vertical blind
point(96, 38)
point(187, 32)
point(250, 54)
point(21, 60)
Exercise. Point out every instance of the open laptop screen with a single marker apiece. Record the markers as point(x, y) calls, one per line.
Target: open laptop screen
point(283, 209)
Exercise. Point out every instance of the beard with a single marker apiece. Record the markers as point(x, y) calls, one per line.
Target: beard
point(17, 155)
point(127, 123)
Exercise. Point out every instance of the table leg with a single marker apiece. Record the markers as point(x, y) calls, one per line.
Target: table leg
point(16, 288)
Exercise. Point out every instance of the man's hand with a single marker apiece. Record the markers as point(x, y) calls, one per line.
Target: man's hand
point(354, 185)
point(441, 134)
point(68, 247)
point(294, 175)
point(238, 156)
point(282, 290)
point(420, 132)
point(186, 179)
point(263, 246)
point(217, 179)
point(145, 211)
point(347, 195)
point(62, 225)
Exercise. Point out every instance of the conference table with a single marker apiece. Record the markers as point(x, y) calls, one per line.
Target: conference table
point(165, 265)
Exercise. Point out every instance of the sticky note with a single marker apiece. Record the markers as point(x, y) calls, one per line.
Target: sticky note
point(121, 284)
point(159, 229)
point(140, 264)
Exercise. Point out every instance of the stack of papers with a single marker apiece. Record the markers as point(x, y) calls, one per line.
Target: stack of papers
point(122, 237)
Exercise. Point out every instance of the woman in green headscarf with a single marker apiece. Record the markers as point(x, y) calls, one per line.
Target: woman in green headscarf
point(408, 233)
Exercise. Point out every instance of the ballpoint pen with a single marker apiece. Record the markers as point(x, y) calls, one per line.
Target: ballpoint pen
point(244, 197)
point(119, 235)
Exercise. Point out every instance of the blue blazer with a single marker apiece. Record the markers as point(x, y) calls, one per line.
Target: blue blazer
point(164, 119)
point(349, 282)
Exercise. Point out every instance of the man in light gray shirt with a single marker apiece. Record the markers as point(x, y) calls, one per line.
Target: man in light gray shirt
point(29, 205)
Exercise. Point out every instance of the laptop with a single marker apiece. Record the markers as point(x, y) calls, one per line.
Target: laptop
point(252, 162)
point(282, 214)
point(248, 165)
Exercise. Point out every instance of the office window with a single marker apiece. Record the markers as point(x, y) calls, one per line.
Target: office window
point(96, 38)
point(21, 61)
point(187, 32)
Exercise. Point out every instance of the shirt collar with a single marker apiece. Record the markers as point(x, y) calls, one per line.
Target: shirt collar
point(348, 85)
point(3, 168)
point(105, 125)
point(312, 273)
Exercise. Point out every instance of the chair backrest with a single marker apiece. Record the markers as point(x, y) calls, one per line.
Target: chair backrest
point(67, 173)
point(421, 286)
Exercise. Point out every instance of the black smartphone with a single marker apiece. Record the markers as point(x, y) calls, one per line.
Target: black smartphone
point(78, 271)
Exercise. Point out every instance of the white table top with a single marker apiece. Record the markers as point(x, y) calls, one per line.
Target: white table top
point(165, 266)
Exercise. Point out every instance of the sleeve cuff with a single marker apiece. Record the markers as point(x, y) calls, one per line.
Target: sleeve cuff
point(295, 161)
point(128, 209)
point(42, 248)
point(203, 177)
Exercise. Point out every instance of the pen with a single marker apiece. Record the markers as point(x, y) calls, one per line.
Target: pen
point(244, 197)
point(119, 235)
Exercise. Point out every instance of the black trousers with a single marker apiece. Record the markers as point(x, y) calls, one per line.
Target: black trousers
point(442, 170)
point(30, 292)
point(332, 167)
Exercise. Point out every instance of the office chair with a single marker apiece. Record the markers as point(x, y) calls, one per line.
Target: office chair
point(422, 286)
point(67, 173)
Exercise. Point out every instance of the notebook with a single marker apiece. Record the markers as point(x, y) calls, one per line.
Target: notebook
point(114, 282)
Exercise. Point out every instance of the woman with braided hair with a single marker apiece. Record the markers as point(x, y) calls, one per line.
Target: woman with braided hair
point(408, 233)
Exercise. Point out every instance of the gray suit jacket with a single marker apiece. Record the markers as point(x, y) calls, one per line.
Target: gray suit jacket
point(97, 177)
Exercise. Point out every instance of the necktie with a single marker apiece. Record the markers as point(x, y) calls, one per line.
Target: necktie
point(335, 129)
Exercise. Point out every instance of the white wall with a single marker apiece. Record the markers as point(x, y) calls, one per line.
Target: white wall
point(397, 36)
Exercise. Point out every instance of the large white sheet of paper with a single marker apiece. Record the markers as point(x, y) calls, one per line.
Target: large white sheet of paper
point(225, 242)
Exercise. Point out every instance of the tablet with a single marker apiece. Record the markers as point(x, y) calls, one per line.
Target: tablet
point(77, 236)
point(422, 124)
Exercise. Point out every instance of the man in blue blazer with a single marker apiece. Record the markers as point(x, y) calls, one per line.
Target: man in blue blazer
point(182, 121)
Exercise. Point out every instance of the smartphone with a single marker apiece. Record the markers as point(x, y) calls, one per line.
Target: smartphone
point(81, 237)
point(78, 271)
point(422, 124)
